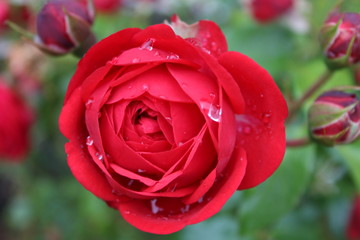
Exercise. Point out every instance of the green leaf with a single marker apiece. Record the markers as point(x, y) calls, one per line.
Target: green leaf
point(351, 154)
point(263, 206)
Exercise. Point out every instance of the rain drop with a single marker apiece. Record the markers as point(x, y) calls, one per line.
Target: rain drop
point(265, 117)
point(136, 60)
point(89, 141)
point(154, 208)
point(99, 156)
point(173, 56)
point(148, 45)
point(141, 170)
point(214, 112)
point(145, 87)
point(89, 103)
point(247, 130)
point(131, 182)
point(185, 209)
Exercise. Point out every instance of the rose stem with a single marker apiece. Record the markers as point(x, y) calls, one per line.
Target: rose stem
point(297, 142)
point(297, 104)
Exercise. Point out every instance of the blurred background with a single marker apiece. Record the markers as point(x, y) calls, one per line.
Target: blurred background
point(309, 197)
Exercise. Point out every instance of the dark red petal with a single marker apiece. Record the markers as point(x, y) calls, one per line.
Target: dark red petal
point(265, 111)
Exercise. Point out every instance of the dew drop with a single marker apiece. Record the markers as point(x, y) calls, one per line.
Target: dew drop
point(130, 182)
point(126, 212)
point(185, 209)
point(247, 130)
point(261, 95)
point(89, 141)
point(214, 112)
point(180, 144)
point(99, 156)
point(156, 53)
point(201, 199)
point(148, 45)
point(141, 170)
point(89, 103)
point(168, 118)
point(265, 117)
point(136, 60)
point(129, 87)
point(162, 97)
point(145, 87)
point(173, 56)
point(212, 95)
point(154, 208)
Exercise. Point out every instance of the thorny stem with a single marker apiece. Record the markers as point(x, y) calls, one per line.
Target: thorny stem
point(319, 83)
point(298, 142)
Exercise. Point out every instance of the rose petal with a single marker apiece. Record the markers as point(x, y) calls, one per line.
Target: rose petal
point(92, 60)
point(265, 103)
point(147, 216)
point(187, 121)
point(71, 123)
point(150, 81)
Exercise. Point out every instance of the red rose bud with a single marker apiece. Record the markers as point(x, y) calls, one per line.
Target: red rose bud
point(4, 13)
point(353, 227)
point(166, 127)
point(15, 121)
point(340, 39)
point(63, 25)
point(107, 5)
point(265, 11)
point(334, 118)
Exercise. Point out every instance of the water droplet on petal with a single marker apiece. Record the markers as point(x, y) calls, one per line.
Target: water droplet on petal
point(247, 130)
point(136, 60)
point(99, 156)
point(129, 87)
point(212, 95)
point(185, 209)
point(145, 87)
point(141, 170)
point(265, 117)
point(89, 103)
point(201, 199)
point(261, 95)
point(148, 45)
point(156, 53)
point(89, 141)
point(180, 144)
point(154, 208)
point(131, 182)
point(168, 118)
point(173, 56)
point(162, 97)
point(213, 111)
point(126, 212)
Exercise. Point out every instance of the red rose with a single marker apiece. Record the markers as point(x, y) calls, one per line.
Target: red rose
point(268, 10)
point(165, 129)
point(15, 122)
point(353, 228)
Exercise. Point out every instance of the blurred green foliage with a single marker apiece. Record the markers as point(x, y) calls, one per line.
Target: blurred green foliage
point(307, 198)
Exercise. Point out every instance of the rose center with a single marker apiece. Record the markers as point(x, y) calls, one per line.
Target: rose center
point(146, 124)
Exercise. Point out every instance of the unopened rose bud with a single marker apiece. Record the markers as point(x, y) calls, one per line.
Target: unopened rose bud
point(107, 5)
point(340, 39)
point(265, 11)
point(64, 25)
point(4, 13)
point(334, 118)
